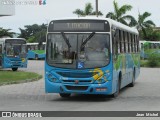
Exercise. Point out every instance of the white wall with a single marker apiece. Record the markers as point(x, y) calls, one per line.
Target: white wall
point(6, 8)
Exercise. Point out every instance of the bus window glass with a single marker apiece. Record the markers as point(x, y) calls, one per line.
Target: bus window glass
point(13, 50)
point(70, 50)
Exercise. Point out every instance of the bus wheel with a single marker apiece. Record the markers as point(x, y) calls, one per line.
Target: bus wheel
point(65, 95)
point(118, 89)
point(36, 57)
point(14, 69)
point(133, 80)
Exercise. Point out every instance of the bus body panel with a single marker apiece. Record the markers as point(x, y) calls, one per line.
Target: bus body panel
point(34, 55)
point(14, 61)
point(36, 51)
point(148, 48)
point(124, 65)
point(60, 86)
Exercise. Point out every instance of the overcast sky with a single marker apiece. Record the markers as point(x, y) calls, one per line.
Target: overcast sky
point(31, 14)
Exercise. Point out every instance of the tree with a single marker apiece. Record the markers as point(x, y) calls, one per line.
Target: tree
point(34, 33)
point(88, 10)
point(119, 14)
point(143, 24)
point(6, 32)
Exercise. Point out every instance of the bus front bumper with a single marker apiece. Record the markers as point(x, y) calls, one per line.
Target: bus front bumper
point(105, 88)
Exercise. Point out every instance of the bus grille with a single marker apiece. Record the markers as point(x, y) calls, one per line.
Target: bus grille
point(77, 75)
point(79, 81)
point(77, 87)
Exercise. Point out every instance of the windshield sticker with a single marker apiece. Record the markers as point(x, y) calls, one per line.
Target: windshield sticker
point(80, 64)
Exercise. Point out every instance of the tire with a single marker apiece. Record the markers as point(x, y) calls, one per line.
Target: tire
point(114, 95)
point(65, 95)
point(14, 69)
point(133, 80)
point(36, 57)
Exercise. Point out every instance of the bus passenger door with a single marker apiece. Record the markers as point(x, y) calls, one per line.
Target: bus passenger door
point(0, 55)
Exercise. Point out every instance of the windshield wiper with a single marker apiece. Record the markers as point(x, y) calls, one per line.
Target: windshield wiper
point(87, 39)
point(66, 40)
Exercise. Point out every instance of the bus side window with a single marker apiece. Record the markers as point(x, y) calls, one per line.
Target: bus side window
point(119, 42)
point(0, 50)
point(137, 44)
point(122, 42)
point(132, 42)
point(126, 42)
point(115, 39)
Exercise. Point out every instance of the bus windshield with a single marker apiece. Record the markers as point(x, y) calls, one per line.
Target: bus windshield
point(78, 50)
point(16, 50)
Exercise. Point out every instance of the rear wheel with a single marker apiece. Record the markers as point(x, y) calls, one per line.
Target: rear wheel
point(133, 80)
point(14, 69)
point(65, 95)
point(36, 57)
point(118, 88)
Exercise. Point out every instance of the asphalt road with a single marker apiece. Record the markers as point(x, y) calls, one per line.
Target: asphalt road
point(145, 96)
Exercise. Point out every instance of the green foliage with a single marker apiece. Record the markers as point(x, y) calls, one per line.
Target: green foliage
point(153, 35)
point(143, 24)
point(153, 60)
point(34, 33)
point(88, 10)
point(6, 32)
point(143, 63)
point(119, 14)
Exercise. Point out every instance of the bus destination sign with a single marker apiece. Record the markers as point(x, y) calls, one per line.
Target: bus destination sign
point(78, 26)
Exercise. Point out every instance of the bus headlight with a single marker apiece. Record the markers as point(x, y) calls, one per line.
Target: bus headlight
point(52, 78)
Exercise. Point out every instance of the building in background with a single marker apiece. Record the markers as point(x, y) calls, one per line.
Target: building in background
point(6, 8)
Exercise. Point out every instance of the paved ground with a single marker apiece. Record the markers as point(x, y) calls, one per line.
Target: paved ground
point(30, 96)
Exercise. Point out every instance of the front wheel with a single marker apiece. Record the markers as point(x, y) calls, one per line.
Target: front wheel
point(65, 95)
point(14, 69)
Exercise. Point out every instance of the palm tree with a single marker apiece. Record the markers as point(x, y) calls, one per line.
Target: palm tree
point(87, 11)
point(5, 32)
point(119, 14)
point(143, 24)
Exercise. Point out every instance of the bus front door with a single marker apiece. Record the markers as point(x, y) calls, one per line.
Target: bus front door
point(0, 55)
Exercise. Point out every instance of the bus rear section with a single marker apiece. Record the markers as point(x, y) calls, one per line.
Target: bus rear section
point(14, 53)
point(36, 51)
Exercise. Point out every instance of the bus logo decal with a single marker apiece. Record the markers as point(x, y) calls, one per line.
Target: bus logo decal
point(80, 64)
point(76, 81)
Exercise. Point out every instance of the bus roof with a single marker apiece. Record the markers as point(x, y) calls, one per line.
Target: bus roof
point(144, 41)
point(8, 38)
point(112, 22)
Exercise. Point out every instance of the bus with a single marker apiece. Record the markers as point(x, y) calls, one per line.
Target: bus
point(148, 48)
point(90, 56)
point(13, 53)
point(36, 51)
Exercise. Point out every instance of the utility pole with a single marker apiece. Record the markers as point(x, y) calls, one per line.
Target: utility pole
point(97, 8)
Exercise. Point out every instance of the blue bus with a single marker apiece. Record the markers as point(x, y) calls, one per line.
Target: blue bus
point(148, 48)
point(13, 53)
point(90, 56)
point(36, 51)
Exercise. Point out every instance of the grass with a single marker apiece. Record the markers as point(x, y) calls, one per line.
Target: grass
point(144, 63)
point(39, 51)
point(10, 77)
